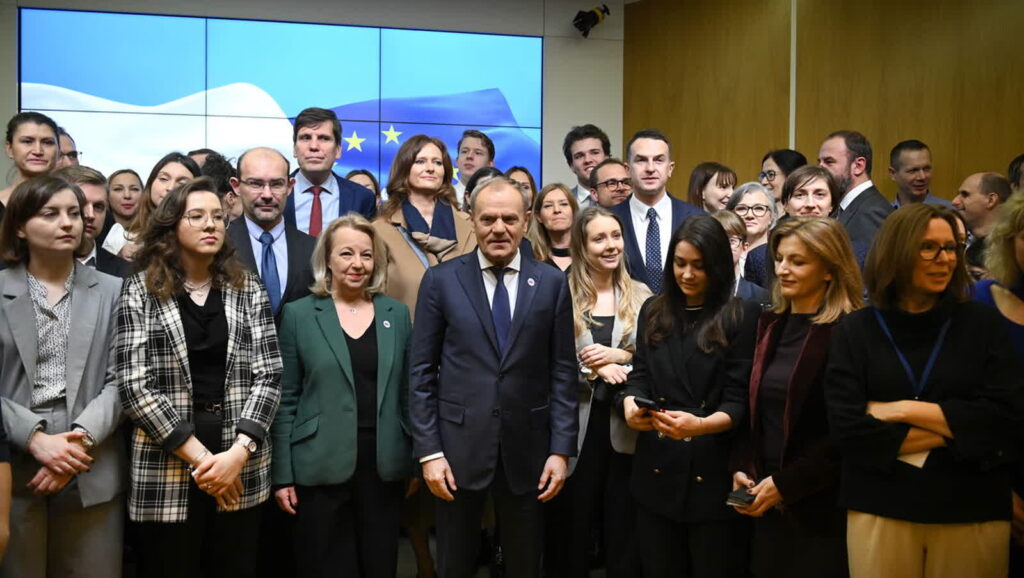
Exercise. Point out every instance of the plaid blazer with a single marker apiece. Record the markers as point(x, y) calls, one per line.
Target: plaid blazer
point(154, 381)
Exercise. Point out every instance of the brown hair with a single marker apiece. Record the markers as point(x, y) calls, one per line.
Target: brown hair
point(25, 201)
point(828, 240)
point(702, 175)
point(322, 255)
point(893, 255)
point(805, 174)
point(159, 257)
point(144, 209)
point(541, 240)
point(398, 180)
point(732, 223)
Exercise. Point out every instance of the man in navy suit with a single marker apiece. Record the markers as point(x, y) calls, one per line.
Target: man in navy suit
point(492, 388)
point(847, 155)
point(321, 195)
point(651, 215)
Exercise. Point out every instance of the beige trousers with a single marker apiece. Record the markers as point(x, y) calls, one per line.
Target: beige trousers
point(884, 547)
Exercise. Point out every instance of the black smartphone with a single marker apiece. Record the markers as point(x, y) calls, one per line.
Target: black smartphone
point(740, 498)
point(645, 403)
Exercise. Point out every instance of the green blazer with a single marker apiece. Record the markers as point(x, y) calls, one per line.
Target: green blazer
point(314, 432)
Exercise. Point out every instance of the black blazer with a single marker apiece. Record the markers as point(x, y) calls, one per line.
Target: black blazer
point(808, 478)
point(864, 216)
point(689, 481)
point(111, 264)
point(977, 383)
point(300, 255)
point(634, 260)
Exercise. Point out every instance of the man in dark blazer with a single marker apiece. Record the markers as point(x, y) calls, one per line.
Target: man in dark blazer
point(321, 195)
point(651, 213)
point(94, 187)
point(263, 185)
point(847, 155)
point(492, 388)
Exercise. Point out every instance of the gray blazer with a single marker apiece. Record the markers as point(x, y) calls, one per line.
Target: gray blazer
point(623, 437)
point(92, 399)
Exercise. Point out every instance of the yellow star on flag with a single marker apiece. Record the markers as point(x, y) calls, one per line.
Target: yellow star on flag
point(455, 174)
point(354, 142)
point(392, 135)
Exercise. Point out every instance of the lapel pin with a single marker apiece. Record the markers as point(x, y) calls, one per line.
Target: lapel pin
point(531, 282)
point(387, 324)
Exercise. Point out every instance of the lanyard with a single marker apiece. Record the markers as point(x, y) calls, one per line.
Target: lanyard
point(918, 385)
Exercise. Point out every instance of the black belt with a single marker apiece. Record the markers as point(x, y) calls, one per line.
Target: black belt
point(214, 407)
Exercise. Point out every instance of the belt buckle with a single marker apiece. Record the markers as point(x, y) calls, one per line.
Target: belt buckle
point(214, 407)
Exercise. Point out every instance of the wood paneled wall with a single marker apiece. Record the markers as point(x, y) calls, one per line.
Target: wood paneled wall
point(713, 75)
point(947, 72)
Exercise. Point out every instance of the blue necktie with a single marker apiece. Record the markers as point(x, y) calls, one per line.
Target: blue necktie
point(501, 311)
point(653, 264)
point(270, 278)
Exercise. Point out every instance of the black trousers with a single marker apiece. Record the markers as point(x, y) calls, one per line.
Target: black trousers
point(786, 547)
point(520, 525)
point(671, 549)
point(208, 544)
point(596, 501)
point(350, 529)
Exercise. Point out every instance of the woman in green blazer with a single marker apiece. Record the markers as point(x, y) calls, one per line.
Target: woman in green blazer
point(341, 451)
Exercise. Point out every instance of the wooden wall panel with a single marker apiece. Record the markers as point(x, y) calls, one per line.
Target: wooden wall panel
point(947, 72)
point(713, 76)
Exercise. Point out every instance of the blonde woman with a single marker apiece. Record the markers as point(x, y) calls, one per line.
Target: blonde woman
point(606, 302)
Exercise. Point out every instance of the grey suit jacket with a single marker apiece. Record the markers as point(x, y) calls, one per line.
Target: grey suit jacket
point(92, 398)
point(864, 216)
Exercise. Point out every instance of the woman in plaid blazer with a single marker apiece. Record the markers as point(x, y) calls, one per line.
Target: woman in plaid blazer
point(198, 369)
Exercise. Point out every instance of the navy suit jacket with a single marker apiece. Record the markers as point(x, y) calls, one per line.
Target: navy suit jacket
point(864, 216)
point(474, 404)
point(634, 260)
point(351, 197)
point(300, 255)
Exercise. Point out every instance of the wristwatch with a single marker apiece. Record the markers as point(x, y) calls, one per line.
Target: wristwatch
point(246, 442)
point(88, 442)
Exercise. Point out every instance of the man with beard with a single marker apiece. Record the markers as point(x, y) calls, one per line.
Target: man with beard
point(276, 250)
point(847, 155)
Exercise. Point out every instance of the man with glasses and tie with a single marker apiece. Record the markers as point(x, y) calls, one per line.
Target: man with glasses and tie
point(275, 249)
point(492, 388)
point(610, 183)
point(651, 214)
point(321, 195)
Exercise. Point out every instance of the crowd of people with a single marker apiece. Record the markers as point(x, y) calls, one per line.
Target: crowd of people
point(237, 369)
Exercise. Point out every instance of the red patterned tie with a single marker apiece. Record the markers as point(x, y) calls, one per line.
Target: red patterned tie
point(316, 218)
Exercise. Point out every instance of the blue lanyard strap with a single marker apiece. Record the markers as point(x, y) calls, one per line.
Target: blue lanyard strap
point(918, 385)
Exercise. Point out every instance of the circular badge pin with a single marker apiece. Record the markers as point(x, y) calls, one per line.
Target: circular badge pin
point(531, 282)
point(387, 324)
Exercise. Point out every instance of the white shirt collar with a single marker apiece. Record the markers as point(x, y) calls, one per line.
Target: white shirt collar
point(662, 207)
point(854, 193)
point(302, 184)
point(486, 263)
point(255, 231)
point(91, 255)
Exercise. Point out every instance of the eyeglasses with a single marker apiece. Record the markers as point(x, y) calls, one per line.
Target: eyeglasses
point(198, 219)
point(736, 242)
point(768, 175)
point(276, 185)
point(758, 210)
point(71, 155)
point(930, 251)
point(615, 184)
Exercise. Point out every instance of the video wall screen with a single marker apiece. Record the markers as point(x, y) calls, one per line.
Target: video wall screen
point(131, 87)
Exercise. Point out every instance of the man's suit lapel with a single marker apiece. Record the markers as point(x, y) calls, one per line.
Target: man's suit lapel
point(528, 281)
point(85, 305)
point(239, 234)
point(22, 319)
point(472, 282)
point(330, 327)
point(634, 261)
point(295, 263)
point(385, 325)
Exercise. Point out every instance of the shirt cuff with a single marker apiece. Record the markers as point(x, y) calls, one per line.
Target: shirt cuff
point(431, 457)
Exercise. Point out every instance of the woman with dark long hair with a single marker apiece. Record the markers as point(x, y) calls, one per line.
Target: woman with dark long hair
point(690, 371)
point(171, 171)
point(198, 369)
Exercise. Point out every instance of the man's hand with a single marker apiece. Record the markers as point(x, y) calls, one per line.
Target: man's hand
point(440, 479)
point(638, 418)
point(59, 452)
point(553, 476)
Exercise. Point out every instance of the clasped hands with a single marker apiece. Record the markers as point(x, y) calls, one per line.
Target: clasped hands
point(219, 475)
point(767, 496)
point(441, 481)
point(606, 362)
point(678, 425)
point(62, 457)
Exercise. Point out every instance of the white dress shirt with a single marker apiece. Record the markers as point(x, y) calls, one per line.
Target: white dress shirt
point(279, 246)
point(638, 211)
point(854, 193)
point(329, 200)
